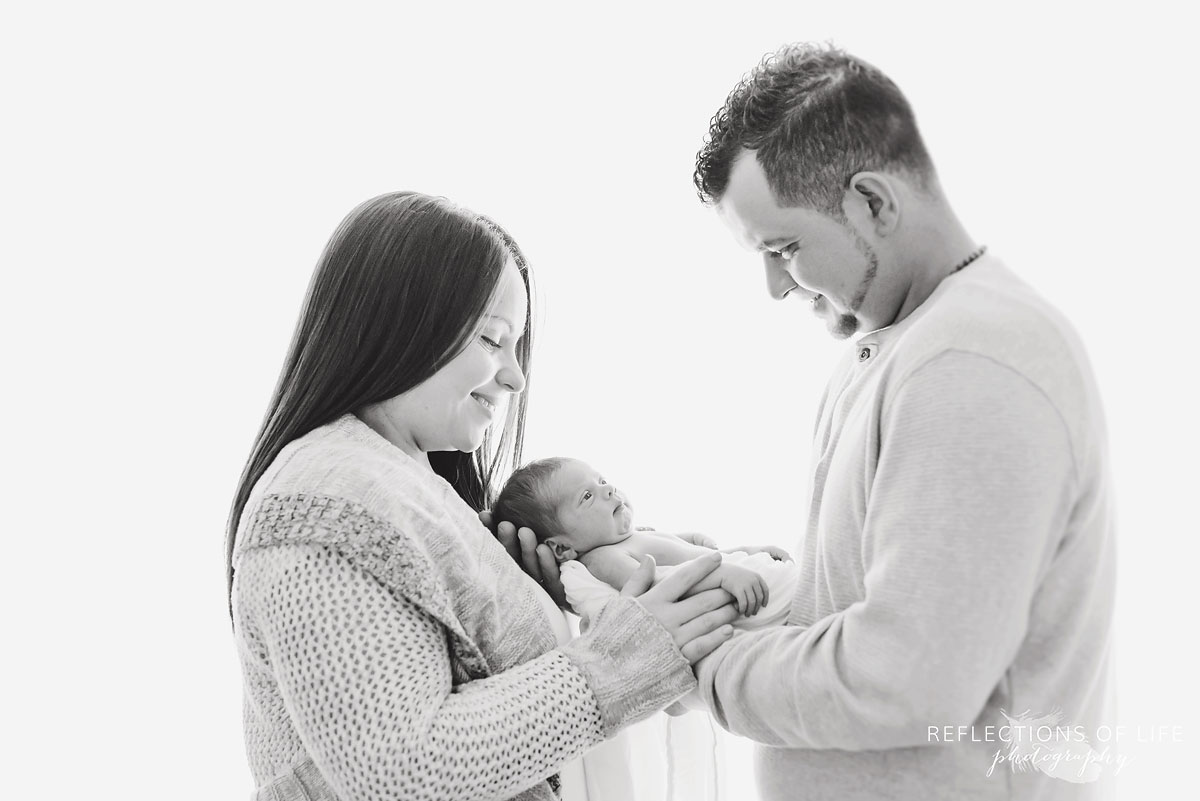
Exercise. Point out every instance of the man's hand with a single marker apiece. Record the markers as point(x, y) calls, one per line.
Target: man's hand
point(778, 554)
point(748, 588)
point(536, 560)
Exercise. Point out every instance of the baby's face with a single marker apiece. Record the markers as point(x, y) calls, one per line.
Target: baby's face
point(592, 510)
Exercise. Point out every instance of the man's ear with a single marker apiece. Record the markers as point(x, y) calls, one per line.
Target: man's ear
point(563, 551)
point(872, 202)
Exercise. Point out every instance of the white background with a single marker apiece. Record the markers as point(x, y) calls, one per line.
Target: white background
point(170, 177)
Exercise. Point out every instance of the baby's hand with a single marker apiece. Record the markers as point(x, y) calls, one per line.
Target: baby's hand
point(748, 588)
point(778, 554)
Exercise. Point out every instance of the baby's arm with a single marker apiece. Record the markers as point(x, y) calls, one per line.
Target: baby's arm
point(614, 566)
point(611, 565)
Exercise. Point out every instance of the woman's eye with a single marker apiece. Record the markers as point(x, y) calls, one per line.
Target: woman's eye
point(602, 481)
point(490, 343)
point(587, 495)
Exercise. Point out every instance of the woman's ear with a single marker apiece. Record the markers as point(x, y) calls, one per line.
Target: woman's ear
point(563, 552)
point(872, 202)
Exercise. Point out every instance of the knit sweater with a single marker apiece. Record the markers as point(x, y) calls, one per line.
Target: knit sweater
point(391, 648)
point(958, 560)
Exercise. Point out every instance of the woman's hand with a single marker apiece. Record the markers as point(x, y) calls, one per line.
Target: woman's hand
point(536, 560)
point(698, 624)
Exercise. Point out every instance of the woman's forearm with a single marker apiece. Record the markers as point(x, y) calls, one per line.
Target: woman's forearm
point(369, 688)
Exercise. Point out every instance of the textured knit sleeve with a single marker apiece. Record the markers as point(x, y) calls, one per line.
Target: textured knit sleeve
point(366, 681)
point(972, 488)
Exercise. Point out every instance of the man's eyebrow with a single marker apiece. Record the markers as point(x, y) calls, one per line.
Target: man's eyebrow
point(773, 244)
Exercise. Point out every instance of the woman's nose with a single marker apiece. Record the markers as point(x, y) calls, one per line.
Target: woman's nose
point(511, 376)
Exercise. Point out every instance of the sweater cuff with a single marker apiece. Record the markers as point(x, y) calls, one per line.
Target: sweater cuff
point(630, 663)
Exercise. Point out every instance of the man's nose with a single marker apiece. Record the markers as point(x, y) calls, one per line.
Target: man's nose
point(779, 282)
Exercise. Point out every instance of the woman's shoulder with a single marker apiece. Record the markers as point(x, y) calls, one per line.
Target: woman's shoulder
point(348, 477)
point(346, 459)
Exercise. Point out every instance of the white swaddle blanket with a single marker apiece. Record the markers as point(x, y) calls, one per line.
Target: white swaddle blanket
point(586, 593)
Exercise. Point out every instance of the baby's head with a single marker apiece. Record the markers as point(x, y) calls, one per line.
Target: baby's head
point(569, 506)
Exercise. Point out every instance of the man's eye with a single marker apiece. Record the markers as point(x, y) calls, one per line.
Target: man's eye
point(587, 495)
point(602, 481)
point(785, 253)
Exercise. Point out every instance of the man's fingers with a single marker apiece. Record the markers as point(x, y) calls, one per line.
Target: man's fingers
point(642, 578)
point(673, 587)
point(702, 646)
point(706, 623)
point(551, 576)
point(529, 545)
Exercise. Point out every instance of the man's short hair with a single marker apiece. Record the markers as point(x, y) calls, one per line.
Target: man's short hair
point(815, 116)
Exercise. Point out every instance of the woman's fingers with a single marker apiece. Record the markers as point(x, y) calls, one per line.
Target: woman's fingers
point(507, 534)
point(551, 577)
point(705, 624)
point(701, 603)
point(485, 517)
point(673, 587)
point(705, 644)
point(529, 558)
point(641, 579)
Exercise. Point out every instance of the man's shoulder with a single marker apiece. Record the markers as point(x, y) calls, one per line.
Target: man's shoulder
point(994, 320)
point(996, 315)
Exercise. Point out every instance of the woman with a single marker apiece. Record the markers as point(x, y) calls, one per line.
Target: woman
point(390, 647)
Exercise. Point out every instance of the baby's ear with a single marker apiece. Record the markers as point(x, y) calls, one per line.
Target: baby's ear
point(563, 552)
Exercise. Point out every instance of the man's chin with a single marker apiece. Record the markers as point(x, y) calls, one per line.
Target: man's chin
point(843, 326)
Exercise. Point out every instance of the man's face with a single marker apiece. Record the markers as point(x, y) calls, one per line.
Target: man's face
point(807, 255)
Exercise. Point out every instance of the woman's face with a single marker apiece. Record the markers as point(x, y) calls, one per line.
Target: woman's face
point(453, 408)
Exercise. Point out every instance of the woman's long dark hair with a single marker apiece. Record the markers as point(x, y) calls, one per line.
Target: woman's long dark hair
point(398, 292)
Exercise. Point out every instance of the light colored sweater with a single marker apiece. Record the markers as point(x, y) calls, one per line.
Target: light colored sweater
point(958, 559)
point(391, 648)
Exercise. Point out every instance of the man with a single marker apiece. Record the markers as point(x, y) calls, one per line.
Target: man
point(958, 558)
point(950, 637)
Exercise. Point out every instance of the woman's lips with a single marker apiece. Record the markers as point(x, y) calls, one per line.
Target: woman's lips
point(485, 403)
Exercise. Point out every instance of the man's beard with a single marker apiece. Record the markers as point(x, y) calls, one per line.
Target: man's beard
point(847, 323)
point(845, 326)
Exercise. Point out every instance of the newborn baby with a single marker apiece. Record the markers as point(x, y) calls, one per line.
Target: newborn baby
point(584, 519)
